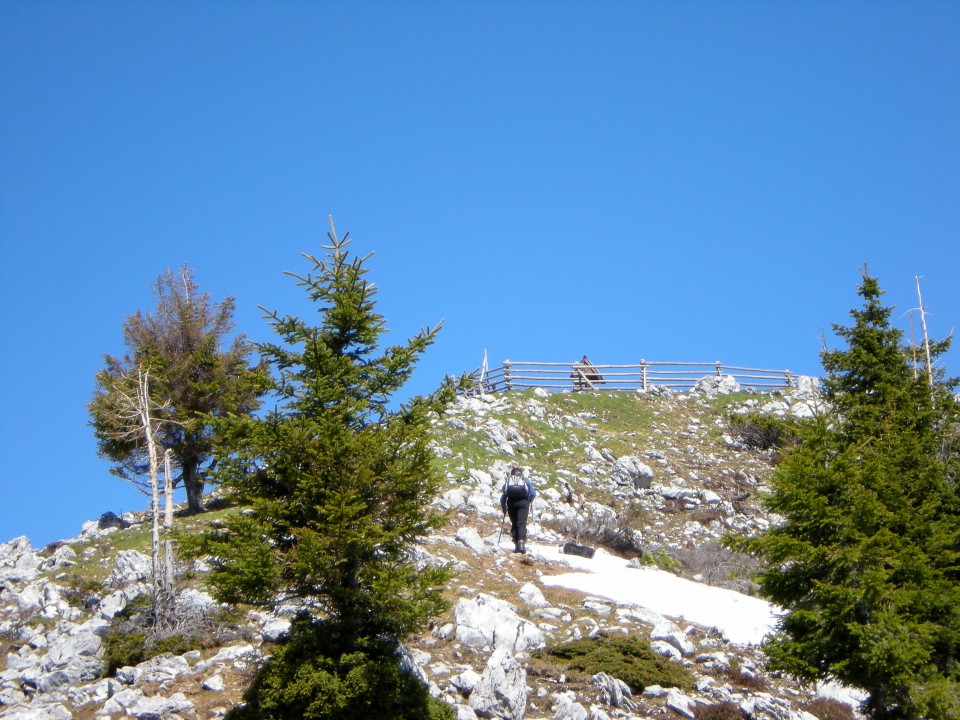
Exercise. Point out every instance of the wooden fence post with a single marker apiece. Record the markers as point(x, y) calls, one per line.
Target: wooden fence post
point(719, 368)
point(643, 374)
point(506, 375)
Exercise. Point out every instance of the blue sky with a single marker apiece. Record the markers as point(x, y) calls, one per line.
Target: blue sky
point(664, 180)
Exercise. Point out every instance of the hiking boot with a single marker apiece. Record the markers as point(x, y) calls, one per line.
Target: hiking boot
point(517, 547)
point(522, 546)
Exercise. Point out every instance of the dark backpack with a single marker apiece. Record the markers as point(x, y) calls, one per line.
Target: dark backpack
point(516, 487)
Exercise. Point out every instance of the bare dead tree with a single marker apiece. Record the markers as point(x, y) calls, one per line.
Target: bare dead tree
point(926, 337)
point(137, 412)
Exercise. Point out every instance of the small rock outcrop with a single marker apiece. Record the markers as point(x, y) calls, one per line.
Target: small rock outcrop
point(501, 691)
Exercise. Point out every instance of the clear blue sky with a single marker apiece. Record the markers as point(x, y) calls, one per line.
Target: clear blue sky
point(687, 181)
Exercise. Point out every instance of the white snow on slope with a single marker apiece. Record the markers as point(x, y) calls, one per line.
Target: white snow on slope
point(742, 619)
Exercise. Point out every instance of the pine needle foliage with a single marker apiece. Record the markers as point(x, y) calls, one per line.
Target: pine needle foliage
point(313, 675)
point(866, 562)
point(334, 484)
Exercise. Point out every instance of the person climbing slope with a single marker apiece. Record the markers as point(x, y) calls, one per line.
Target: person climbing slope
point(518, 493)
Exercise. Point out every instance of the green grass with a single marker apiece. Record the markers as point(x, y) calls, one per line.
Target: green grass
point(625, 423)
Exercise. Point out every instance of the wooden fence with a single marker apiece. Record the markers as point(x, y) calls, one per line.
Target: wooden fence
point(678, 376)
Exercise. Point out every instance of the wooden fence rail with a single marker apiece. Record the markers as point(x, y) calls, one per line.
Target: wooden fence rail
point(678, 376)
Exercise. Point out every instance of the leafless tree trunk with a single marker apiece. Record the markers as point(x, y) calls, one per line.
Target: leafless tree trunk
point(138, 416)
point(167, 591)
point(926, 338)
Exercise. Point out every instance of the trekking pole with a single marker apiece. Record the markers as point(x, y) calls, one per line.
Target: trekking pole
point(501, 527)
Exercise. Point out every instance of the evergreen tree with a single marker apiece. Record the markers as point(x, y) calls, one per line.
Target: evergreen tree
point(866, 562)
point(336, 484)
point(179, 344)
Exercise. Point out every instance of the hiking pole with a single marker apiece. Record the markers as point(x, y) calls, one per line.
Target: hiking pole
point(501, 527)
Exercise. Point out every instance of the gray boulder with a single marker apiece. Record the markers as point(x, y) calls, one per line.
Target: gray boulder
point(713, 385)
point(613, 691)
point(501, 691)
point(533, 596)
point(158, 707)
point(466, 681)
point(53, 711)
point(630, 470)
point(214, 684)
point(808, 388)
point(63, 556)
point(763, 706)
point(680, 703)
point(163, 668)
point(121, 701)
point(666, 650)
point(77, 657)
point(489, 621)
point(465, 712)
point(18, 562)
point(111, 520)
point(275, 630)
point(112, 604)
point(671, 634)
point(131, 567)
point(567, 707)
point(471, 538)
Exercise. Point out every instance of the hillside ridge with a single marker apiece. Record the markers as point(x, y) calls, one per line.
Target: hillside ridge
point(653, 480)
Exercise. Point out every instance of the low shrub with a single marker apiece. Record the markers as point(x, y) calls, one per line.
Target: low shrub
point(628, 658)
point(740, 678)
point(79, 591)
point(661, 559)
point(718, 711)
point(762, 432)
point(828, 709)
point(720, 566)
point(133, 639)
point(122, 649)
point(315, 676)
point(615, 530)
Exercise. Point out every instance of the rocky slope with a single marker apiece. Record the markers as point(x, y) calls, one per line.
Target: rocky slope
point(658, 477)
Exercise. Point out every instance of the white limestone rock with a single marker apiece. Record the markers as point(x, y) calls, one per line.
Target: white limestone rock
point(18, 562)
point(630, 470)
point(471, 538)
point(131, 567)
point(489, 621)
point(680, 703)
point(501, 691)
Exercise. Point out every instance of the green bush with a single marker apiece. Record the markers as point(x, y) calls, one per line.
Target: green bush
point(122, 649)
point(661, 559)
point(718, 711)
point(78, 590)
point(313, 675)
point(628, 658)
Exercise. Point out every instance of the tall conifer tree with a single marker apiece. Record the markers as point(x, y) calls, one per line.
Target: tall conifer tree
point(866, 562)
point(336, 481)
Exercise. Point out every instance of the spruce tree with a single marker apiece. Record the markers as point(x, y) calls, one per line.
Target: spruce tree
point(866, 562)
point(336, 484)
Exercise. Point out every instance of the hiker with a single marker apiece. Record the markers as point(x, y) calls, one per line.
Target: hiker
point(585, 375)
point(518, 493)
